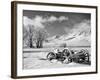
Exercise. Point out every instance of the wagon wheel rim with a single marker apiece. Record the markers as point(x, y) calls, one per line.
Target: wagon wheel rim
point(49, 56)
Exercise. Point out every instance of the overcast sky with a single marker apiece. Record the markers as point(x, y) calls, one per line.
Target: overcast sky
point(57, 23)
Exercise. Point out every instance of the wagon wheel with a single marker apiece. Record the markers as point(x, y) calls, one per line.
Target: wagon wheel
point(83, 51)
point(51, 56)
point(87, 56)
point(67, 52)
point(69, 59)
point(86, 53)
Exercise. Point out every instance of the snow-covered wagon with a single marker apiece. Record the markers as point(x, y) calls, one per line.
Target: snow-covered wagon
point(68, 56)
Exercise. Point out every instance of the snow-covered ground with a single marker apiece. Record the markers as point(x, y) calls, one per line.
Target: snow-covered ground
point(35, 60)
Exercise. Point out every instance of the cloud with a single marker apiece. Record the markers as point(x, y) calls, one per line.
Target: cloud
point(52, 19)
point(27, 21)
point(83, 26)
point(38, 21)
point(67, 30)
point(61, 18)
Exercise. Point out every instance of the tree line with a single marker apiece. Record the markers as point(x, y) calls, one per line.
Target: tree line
point(34, 37)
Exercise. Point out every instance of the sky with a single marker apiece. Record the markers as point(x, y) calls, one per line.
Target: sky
point(57, 23)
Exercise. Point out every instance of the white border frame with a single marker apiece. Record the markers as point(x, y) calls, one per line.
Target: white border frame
point(30, 72)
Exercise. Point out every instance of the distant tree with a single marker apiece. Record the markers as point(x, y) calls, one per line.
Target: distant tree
point(31, 32)
point(25, 37)
point(34, 37)
point(28, 32)
point(40, 35)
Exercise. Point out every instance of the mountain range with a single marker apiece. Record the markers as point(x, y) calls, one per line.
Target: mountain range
point(81, 38)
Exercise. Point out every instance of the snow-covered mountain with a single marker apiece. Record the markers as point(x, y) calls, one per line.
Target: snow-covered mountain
point(80, 35)
point(82, 38)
